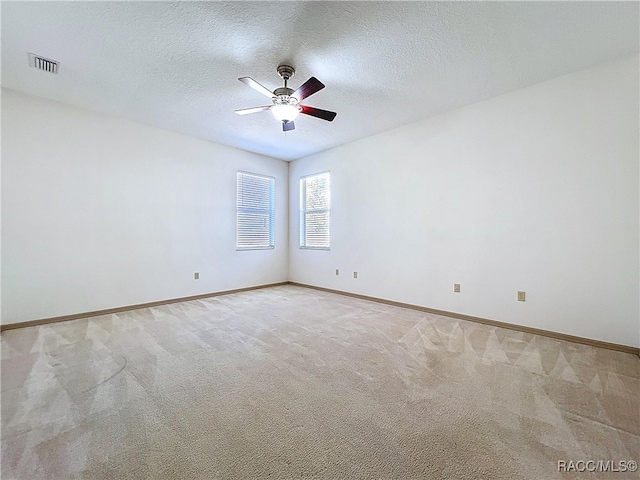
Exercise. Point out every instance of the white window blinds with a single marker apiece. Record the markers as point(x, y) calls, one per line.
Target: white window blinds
point(315, 203)
point(255, 211)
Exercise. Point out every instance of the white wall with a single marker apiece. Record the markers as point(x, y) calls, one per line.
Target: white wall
point(535, 190)
point(99, 212)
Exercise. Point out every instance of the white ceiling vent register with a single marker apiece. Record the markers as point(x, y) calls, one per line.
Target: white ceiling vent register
point(41, 63)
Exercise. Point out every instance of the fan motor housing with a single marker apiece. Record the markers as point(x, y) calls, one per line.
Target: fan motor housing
point(283, 91)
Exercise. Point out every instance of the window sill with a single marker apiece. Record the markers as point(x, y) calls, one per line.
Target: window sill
point(315, 248)
point(244, 249)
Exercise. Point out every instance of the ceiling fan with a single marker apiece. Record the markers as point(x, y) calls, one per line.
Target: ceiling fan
point(286, 102)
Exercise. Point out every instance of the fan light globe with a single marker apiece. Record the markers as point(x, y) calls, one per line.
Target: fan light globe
point(285, 113)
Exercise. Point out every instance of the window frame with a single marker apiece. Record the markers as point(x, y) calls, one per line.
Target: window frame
point(304, 211)
point(271, 212)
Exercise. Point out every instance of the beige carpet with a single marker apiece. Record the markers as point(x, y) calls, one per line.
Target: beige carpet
point(292, 383)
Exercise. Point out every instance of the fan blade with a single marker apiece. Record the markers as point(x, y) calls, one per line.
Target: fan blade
point(308, 88)
point(250, 82)
point(317, 112)
point(246, 111)
point(288, 126)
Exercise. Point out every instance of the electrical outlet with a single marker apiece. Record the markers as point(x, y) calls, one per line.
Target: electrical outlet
point(456, 287)
point(355, 274)
point(337, 271)
point(521, 296)
point(196, 276)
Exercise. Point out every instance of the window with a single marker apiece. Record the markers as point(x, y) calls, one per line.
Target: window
point(255, 211)
point(315, 203)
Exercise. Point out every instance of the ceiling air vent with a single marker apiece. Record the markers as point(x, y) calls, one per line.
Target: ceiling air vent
point(41, 63)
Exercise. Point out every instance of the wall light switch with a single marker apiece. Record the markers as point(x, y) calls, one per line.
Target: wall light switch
point(337, 271)
point(355, 274)
point(196, 276)
point(521, 296)
point(456, 287)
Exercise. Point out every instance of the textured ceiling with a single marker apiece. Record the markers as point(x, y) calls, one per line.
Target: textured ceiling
point(384, 64)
